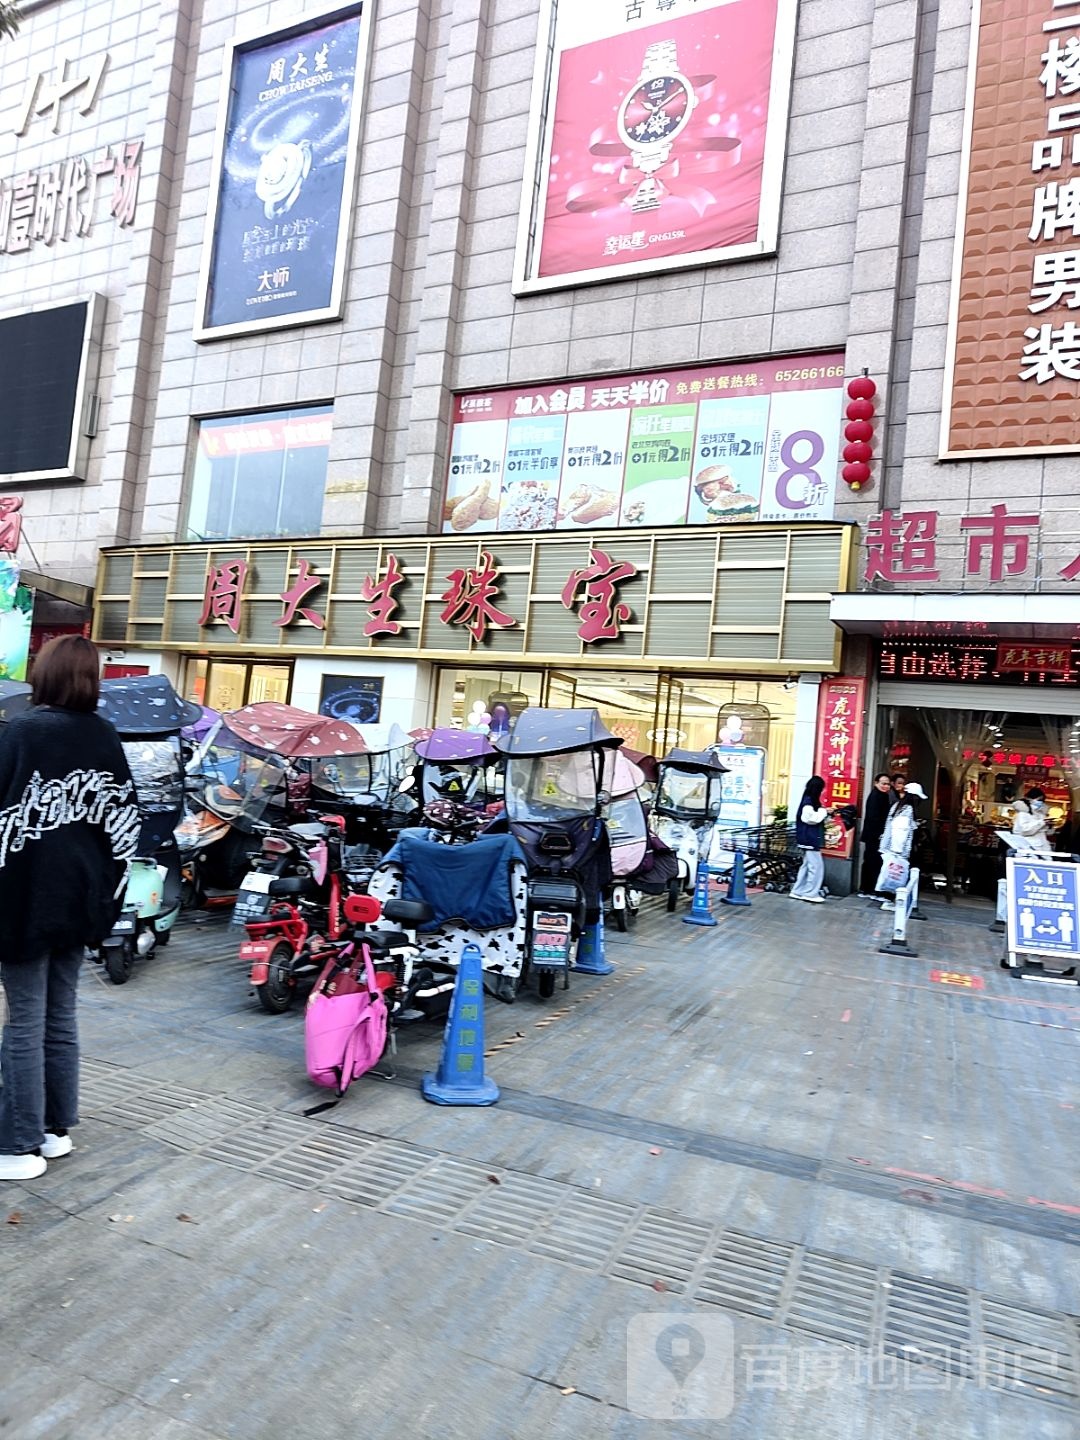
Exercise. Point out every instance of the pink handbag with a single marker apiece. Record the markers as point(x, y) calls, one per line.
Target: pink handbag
point(345, 1022)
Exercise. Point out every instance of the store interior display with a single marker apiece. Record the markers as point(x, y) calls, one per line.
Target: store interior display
point(1001, 758)
point(652, 714)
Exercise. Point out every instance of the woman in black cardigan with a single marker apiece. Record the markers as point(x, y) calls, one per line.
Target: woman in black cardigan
point(878, 804)
point(69, 824)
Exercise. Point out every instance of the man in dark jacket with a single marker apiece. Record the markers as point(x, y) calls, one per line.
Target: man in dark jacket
point(878, 803)
point(69, 824)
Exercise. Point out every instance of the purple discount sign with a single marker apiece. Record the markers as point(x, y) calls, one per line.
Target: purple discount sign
point(803, 456)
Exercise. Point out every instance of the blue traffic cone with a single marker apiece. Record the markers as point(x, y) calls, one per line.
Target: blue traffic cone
point(700, 914)
point(590, 955)
point(460, 1079)
point(736, 890)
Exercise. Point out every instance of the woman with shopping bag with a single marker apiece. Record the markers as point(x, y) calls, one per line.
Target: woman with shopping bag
point(896, 840)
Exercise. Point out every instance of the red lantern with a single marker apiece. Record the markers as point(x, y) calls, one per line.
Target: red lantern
point(860, 410)
point(858, 430)
point(856, 474)
point(858, 451)
point(862, 388)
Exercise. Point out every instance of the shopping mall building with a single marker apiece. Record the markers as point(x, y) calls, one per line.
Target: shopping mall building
point(415, 353)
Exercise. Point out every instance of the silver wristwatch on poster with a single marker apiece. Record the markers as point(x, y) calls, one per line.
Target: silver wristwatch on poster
point(654, 113)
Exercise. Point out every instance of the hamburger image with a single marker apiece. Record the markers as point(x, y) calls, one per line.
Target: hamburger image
point(717, 492)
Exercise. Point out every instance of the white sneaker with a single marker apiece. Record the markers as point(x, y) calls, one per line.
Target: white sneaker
point(56, 1146)
point(22, 1167)
point(814, 899)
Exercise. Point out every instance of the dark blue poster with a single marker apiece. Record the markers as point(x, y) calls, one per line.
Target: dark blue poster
point(286, 178)
point(352, 697)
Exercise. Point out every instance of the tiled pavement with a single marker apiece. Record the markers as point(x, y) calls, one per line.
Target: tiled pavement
point(768, 1122)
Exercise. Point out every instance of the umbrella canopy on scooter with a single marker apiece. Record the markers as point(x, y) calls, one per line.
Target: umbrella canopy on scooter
point(143, 705)
point(14, 698)
point(446, 746)
point(647, 764)
point(269, 726)
point(697, 760)
point(621, 775)
point(539, 731)
point(198, 730)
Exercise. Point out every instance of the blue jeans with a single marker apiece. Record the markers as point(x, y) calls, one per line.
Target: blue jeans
point(39, 1055)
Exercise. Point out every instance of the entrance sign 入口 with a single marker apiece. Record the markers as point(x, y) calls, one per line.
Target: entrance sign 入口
point(709, 445)
point(1044, 908)
point(657, 137)
point(284, 175)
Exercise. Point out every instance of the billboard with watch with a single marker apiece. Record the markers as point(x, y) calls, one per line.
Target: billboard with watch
point(658, 136)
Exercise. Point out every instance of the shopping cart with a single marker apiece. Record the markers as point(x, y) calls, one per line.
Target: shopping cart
point(772, 856)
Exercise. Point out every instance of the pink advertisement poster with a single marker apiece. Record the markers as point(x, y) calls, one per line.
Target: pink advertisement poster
point(665, 142)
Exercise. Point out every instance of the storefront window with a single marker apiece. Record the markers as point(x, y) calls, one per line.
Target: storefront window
point(260, 475)
point(655, 713)
point(995, 758)
point(225, 685)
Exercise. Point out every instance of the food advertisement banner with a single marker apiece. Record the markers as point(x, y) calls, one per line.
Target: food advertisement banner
point(658, 136)
point(1013, 358)
point(710, 445)
point(839, 754)
point(284, 177)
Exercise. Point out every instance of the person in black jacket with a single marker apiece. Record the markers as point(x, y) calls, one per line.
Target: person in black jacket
point(878, 804)
point(69, 823)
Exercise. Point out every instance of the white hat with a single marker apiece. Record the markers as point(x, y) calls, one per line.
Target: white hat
point(916, 789)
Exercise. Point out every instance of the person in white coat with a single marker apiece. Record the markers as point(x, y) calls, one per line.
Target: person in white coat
point(1030, 823)
point(810, 837)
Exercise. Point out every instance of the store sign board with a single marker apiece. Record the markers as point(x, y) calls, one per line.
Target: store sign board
point(1044, 908)
point(711, 445)
point(1034, 659)
point(657, 138)
point(973, 662)
point(999, 544)
point(284, 175)
point(841, 702)
point(631, 597)
point(1011, 385)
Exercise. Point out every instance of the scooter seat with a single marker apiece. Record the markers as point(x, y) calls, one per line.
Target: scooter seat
point(382, 941)
point(308, 830)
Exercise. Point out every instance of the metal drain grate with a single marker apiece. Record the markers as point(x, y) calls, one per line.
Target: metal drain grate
point(833, 1299)
point(140, 1110)
point(1030, 1349)
point(514, 1209)
point(380, 1173)
point(252, 1145)
point(316, 1159)
point(584, 1231)
point(908, 1318)
point(746, 1274)
point(204, 1123)
point(439, 1194)
point(927, 1322)
point(662, 1249)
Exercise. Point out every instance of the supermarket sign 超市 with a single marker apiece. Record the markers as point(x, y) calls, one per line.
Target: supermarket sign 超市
point(710, 445)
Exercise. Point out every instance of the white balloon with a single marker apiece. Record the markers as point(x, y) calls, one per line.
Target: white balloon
point(734, 723)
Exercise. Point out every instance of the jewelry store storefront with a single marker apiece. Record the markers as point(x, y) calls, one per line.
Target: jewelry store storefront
point(687, 637)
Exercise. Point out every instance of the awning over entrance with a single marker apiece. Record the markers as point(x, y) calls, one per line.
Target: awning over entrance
point(1011, 616)
point(58, 602)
